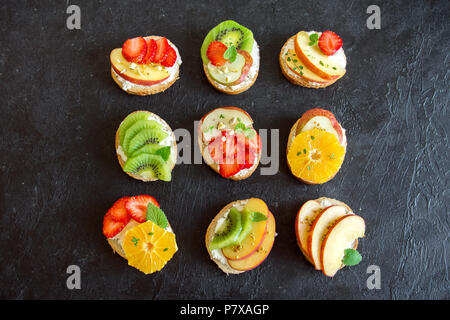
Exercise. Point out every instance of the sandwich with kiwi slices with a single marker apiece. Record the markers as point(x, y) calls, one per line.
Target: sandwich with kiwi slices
point(230, 57)
point(241, 235)
point(146, 147)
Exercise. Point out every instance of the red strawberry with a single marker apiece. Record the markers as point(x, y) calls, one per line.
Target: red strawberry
point(329, 42)
point(134, 50)
point(215, 148)
point(161, 49)
point(137, 207)
point(215, 52)
point(254, 144)
point(110, 226)
point(118, 211)
point(151, 51)
point(170, 58)
point(230, 169)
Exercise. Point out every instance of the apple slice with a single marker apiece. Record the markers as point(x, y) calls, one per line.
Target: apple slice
point(298, 67)
point(143, 74)
point(340, 237)
point(226, 115)
point(315, 59)
point(259, 255)
point(303, 222)
point(256, 236)
point(322, 119)
point(321, 225)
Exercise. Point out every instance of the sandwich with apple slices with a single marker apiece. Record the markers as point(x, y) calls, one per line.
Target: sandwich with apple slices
point(241, 235)
point(228, 142)
point(316, 147)
point(145, 65)
point(138, 230)
point(313, 59)
point(146, 147)
point(327, 233)
point(230, 57)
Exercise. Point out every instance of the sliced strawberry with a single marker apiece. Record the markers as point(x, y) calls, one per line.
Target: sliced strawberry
point(134, 50)
point(137, 207)
point(110, 226)
point(170, 58)
point(254, 144)
point(215, 52)
point(118, 211)
point(215, 148)
point(161, 49)
point(151, 51)
point(230, 169)
point(329, 42)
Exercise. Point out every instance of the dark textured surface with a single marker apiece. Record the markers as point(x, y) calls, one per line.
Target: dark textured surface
point(59, 174)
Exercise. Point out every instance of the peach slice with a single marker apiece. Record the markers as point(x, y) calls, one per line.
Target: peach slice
point(298, 67)
point(341, 236)
point(303, 222)
point(321, 225)
point(259, 255)
point(255, 238)
point(322, 119)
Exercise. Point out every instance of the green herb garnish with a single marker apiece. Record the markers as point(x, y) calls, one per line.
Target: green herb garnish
point(156, 215)
point(351, 257)
point(258, 216)
point(222, 116)
point(230, 54)
point(135, 241)
point(239, 127)
point(312, 137)
point(164, 152)
point(313, 39)
point(250, 133)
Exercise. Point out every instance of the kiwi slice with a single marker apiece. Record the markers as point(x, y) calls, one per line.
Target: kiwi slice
point(230, 33)
point(146, 136)
point(246, 222)
point(129, 121)
point(228, 234)
point(135, 128)
point(148, 148)
point(148, 166)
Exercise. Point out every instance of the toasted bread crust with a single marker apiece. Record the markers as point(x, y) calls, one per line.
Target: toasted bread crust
point(299, 81)
point(148, 90)
point(214, 166)
point(292, 135)
point(122, 163)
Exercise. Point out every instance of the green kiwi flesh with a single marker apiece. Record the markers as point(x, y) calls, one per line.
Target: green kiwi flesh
point(148, 166)
point(228, 32)
point(146, 136)
point(134, 129)
point(246, 223)
point(131, 119)
point(229, 233)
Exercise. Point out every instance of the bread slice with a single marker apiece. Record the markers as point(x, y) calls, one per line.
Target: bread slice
point(205, 154)
point(230, 90)
point(292, 135)
point(296, 79)
point(173, 148)
point(142, 90)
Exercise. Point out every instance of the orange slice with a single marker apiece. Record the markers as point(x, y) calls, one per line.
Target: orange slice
point(315, 156)
point(149, 247)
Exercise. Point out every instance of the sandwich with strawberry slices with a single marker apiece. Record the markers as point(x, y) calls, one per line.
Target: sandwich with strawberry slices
point(313, 59)
point(230, 57)
point(145, 65)
point(228, 142)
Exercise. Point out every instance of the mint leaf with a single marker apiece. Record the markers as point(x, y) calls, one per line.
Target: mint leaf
point(164, 152)
point(314, 39)
point(250, 133)
point(258, 216)
point(351, 257)
point(230, 54)
point(156, 215)
point(239, 127)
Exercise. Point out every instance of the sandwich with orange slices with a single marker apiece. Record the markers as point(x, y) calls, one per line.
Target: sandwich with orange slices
point(138, 230)
point(313, 59)
point(316, 147)
point(327, 233)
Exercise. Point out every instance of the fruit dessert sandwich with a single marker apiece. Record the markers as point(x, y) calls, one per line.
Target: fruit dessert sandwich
point(313, 59)
point(145, 65)
point(146, 147)
point(241, 235)
point(327, 233)
point(228, 142)
point(138, 230)
point(316, 147)
point(230, 57)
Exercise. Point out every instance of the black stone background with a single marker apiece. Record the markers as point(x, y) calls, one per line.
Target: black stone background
point(59, 173)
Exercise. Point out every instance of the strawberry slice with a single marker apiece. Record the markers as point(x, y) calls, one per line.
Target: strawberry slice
point(112, 227)
point(329, 42)
point(161, 49)
point(151, 51)
point(230, 169)
point(134, 50)
point(137, 207)
point(170, 58)
point(254, 144)
point(118, 211)
point(215, 52)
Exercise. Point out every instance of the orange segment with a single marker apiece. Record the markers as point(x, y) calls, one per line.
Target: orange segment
point(315, 156)
point(148, 247)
